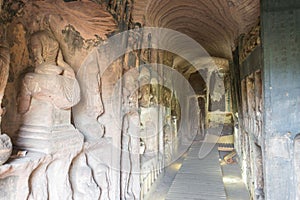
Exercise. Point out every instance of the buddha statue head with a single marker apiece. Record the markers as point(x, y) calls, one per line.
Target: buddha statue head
point(45, 51)
point(44, 48)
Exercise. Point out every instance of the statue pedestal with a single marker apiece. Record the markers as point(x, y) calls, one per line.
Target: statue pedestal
point(48, 140)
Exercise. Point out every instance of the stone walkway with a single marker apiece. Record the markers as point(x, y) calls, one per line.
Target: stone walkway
point(198, 179)
point(235, 188)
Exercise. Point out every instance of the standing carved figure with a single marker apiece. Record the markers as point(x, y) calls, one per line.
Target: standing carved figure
point(167, 144)
point(5, 143)
point(130, 157)
point(87, 112)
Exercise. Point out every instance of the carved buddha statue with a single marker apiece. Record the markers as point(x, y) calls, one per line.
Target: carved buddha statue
point(48, 94)
point(52, 89)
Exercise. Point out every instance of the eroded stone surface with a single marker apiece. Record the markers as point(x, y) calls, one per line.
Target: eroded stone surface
point(46, 98)
point(102, 167)
point(90, 174)
point(75, 173)
point(5, 148)
point(5, 142)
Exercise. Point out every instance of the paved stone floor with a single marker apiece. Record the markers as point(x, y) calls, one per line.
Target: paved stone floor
point(235, 188)
point(200, 179)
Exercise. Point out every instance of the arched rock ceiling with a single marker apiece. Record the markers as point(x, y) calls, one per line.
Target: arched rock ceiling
point(215, 24)
point(87, 17)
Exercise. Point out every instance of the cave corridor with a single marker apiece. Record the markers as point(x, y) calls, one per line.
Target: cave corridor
point(150, 99)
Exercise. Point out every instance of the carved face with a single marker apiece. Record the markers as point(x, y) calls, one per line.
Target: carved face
point(44, 48)
point(36, 49)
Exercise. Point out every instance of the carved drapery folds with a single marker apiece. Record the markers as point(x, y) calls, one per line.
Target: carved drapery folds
point(46, 98)
point(60, 36)
point(130, 160)
point(67, 74)
point(53, 80)
point(87, 112)
point(77, 29)
point(5, 143)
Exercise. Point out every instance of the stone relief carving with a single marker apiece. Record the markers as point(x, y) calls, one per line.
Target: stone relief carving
point(145, 87)
point(130, 157)
point(61, 33)
point(53, 81)
point(5, 148)
point(130, 162)
point(47, 96)
point(45, 101)
point(4, 66)
point(168, 146)
point(5, 143)
point(249, 42)
point(91, 173)
point(87, 112)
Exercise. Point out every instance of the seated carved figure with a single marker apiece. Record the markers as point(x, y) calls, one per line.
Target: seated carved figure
point(52, 89)
point(48, 94)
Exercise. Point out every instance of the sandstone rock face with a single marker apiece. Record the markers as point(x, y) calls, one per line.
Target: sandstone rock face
point(73, 173)
point(78, 117)
point(5, 142)
point(4, 66)
point(91, 172)
point(5, 148)
point(90, 107)
point(74, 25)
point(218, 39)
point(49, 44)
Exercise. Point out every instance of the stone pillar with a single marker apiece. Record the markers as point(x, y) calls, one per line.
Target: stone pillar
point(281, 82)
